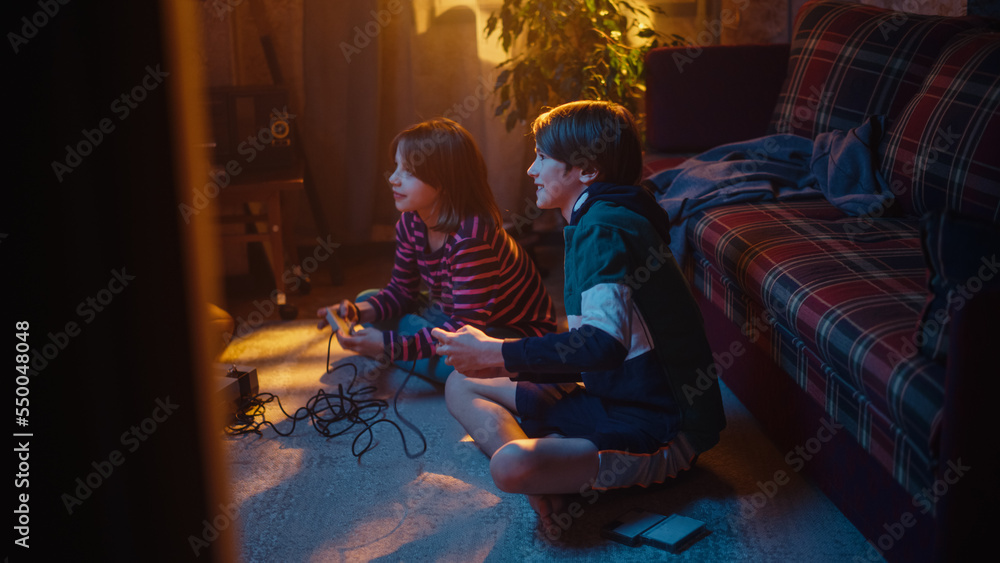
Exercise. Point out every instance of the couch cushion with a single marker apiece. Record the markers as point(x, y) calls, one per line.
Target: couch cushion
point(850, 61)
point(850, 289)
point(904, 455)
point(943, 152)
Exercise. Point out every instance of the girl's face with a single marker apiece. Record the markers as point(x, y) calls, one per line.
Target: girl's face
point(411, 193)
point(556, 188)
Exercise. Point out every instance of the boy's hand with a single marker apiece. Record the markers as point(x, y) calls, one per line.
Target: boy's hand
point(487, 373)
point(470, 351)
point(367, 342)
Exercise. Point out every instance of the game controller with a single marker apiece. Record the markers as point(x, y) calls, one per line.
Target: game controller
point(337, 322)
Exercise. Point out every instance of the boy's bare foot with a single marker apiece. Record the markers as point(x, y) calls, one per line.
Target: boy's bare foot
point(546, 506)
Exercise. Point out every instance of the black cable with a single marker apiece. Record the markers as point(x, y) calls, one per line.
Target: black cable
point(395, 408)
point(327, 409)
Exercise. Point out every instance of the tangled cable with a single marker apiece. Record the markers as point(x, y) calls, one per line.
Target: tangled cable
point(331, 414)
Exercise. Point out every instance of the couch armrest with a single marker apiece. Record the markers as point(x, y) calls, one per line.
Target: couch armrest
point(968, 465)
point(701, 97)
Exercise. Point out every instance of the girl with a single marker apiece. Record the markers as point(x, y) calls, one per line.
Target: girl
point(454, 265)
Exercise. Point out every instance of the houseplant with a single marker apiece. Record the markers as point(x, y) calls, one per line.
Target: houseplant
point(565, 50)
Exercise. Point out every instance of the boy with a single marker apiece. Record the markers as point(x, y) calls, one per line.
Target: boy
point(636, 340)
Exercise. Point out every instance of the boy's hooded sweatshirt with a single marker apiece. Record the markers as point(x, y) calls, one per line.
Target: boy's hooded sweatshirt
point(636, 336)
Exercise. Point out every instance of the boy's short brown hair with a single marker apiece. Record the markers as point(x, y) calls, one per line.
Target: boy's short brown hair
point(444, 155)
point(591, 134)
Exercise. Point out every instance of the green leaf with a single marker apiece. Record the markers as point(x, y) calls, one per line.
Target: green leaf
point(502, 79)
point(502, 108)
point(561, 50)
point(511, 121)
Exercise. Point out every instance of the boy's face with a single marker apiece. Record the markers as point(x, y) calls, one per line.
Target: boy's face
point(557, 188)
point(411, 193)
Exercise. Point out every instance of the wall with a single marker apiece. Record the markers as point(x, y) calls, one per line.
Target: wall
point(768, 21)
point(429, 59)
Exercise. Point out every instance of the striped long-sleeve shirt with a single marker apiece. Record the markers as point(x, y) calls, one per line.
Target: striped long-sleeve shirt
point(479, 277)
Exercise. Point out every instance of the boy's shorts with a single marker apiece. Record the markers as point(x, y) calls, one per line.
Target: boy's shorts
point(635, 446)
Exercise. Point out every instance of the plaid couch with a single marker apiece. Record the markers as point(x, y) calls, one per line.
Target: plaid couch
point(856, 311)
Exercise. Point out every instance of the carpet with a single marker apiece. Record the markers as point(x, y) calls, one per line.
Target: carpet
point(306, 497)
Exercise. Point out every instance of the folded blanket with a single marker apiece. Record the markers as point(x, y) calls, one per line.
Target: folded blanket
point(839, 165)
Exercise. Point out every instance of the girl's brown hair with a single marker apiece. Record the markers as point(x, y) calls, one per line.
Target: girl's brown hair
point(443, 154)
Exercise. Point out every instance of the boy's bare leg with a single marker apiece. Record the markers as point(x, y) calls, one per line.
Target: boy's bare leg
point(484, 407)
point(534, 466)
point(548, 470)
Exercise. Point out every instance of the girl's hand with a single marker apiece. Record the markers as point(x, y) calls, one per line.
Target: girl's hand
point(470, 351)
point(367, 342)
point(349, 312)
point(345, 310)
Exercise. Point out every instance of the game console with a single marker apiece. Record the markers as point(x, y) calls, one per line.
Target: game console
point(672, 533)
point(235, 387)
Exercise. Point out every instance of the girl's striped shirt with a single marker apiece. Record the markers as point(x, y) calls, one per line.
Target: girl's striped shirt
point(479, 277)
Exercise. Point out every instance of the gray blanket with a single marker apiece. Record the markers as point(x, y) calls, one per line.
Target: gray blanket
point(842, 166)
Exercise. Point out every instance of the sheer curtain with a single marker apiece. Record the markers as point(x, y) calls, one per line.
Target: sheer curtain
point(373, 67)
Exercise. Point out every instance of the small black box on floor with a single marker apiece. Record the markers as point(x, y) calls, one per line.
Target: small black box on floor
point(628, 527)
point(672, 533)
point(236, 385)
point(675, 533)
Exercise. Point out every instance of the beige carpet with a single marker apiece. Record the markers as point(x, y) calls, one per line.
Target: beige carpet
point(305, 497)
